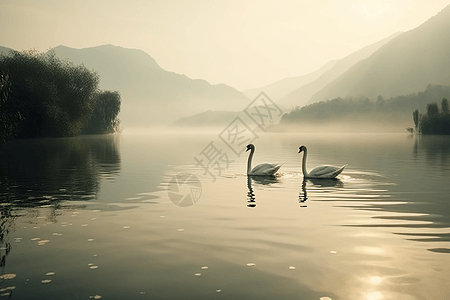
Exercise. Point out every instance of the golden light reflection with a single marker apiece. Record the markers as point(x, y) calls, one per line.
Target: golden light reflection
point(374, 296)
point(370, 250)
point(375, 280)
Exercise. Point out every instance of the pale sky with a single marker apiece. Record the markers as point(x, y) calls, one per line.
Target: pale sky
point(245, 44)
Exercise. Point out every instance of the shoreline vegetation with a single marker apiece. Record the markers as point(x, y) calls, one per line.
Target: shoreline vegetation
point(362, 113)
point(435, 121)
point(44, 96)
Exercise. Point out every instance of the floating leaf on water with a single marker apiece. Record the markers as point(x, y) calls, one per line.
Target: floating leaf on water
point(50, 273)
point(198, 274)
point(93, 267)
point(251, 264)
point(8, 276)
point(204, 268)
point(46, 281)
point(291, 268)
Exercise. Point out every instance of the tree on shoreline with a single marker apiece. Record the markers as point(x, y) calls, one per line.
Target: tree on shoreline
point(104, 118)
point(9, 119)
point(435, 121)
point(49, 97)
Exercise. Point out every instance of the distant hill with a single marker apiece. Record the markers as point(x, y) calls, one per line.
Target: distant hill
point(361, 114)
point(302, 94)
point(281, 88)
point(407, 64)
point(151, 95)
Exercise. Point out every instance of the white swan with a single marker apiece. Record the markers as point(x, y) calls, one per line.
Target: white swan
point(324, 171)
point(262, 169)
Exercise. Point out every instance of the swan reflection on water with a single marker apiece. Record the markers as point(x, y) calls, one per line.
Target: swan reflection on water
point(263, 180)
point(303, 194)
point(330, 182)
point(321, 183)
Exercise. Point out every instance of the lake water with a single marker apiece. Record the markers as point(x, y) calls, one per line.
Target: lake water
point(95, 217)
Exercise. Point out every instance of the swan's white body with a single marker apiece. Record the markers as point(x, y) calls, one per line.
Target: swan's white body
point(325, 171)
point(262, 169)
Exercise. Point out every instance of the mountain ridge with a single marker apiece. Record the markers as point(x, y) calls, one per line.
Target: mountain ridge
point(406, 64)
point(281, 88)
point(150, 94)
point(302, 95)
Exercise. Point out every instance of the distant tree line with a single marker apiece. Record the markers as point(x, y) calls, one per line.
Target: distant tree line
point(43, 96)
point(340, 108)
point(435, 121)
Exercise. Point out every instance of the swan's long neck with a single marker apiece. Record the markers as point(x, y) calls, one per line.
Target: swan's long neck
point(249, 162)
point(305, 173)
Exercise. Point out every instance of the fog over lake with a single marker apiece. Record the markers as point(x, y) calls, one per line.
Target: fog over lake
point(94, 217)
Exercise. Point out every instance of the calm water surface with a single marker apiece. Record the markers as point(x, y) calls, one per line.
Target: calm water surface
point(93, 218)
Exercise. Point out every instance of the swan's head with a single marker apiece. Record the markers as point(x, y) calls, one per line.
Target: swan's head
point(250, 147)
point(301, 148)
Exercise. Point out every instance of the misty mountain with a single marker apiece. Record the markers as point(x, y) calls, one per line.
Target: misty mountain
point(208, 119)
point(407, 64)
point(302, 94)
point(150, 94)
point(281, 88)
